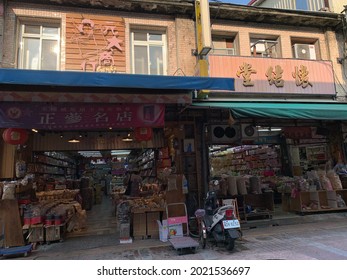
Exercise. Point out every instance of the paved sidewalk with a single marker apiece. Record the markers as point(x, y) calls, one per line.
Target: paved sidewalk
point(320, 236)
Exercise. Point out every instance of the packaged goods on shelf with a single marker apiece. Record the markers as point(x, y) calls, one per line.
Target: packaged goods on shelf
point(57, 194)
point(9, 190)
point(335, 180)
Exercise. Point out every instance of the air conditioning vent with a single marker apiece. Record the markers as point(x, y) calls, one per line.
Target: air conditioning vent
point(225, 134)
point(249, 132)
point(304, 51)
point(264, 48)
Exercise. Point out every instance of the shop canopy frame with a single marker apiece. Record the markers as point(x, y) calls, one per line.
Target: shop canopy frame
point(74, 79)
point(282, 110)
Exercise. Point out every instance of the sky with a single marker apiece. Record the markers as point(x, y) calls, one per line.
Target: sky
point(238, 2)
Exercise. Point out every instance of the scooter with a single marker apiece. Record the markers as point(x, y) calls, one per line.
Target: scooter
point(218, 223)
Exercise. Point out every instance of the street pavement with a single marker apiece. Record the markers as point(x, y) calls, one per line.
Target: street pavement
point(320, 239)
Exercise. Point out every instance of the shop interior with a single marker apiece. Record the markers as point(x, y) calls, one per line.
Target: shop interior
point(276, 171)
point(73, 183)
point(72, 191)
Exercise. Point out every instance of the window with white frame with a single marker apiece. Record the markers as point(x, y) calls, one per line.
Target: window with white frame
point(39, 47)
point(148, 52)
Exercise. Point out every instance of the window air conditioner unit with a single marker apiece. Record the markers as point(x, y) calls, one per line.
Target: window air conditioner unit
point(260, 47)
point(227, 51)
point(230, 51)
point(225, 134)
point(304, 51)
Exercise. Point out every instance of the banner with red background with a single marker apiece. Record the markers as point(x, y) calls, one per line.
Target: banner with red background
point(80, 116)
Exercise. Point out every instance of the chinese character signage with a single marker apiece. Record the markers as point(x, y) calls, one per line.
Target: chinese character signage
point(80, 116)
point(95, 43)
point(297, 132)
point(275, 76)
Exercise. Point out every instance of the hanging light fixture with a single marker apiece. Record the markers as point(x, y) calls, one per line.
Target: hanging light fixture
point(73, 140)
point(127, 139)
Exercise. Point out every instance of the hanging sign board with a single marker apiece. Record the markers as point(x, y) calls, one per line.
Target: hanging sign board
point(80, 116)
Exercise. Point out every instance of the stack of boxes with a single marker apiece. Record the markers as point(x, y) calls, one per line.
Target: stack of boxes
point(145, 224)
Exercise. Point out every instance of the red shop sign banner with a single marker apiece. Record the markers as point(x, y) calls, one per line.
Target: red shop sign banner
point(80, 116)
point(298, 132)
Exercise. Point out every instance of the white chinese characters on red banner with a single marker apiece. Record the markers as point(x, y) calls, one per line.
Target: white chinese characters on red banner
point(81, 116)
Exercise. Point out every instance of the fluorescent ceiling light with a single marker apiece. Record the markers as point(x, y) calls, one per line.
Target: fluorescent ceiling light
point(267, 129)
point(94, 154)
point(120, 152)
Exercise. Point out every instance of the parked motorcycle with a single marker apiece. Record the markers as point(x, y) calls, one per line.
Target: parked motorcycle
point(218, 223)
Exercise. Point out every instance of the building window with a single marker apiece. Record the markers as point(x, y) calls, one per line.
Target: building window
point(224, 45)
point(148, 53)
point(305, 48)
point(39, 47)
point(265, 46)
point(301, 5)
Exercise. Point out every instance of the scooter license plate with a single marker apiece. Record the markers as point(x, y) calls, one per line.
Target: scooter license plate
point(231, 224)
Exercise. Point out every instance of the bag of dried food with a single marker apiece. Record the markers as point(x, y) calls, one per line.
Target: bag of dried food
point(340, 202)
point(335, 180)
point(9, 190)
point(21, 168)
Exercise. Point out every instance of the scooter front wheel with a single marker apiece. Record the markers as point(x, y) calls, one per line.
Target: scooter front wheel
point(202, 234)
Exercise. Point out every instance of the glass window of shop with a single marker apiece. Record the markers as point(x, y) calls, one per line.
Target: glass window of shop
point(39, 47)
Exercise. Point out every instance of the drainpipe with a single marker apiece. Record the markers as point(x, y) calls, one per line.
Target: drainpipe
point(204, 162)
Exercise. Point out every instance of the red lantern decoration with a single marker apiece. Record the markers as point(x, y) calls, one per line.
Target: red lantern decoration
point(15, 136)
point(143, 133)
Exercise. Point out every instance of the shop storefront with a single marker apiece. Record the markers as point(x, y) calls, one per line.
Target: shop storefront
point(49, 168)
point(274, 141)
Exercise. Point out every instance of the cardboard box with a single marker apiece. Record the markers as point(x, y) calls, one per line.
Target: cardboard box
point(152, 228)
point(139, 225)
point(175, 193)
point(163, 230)
point(175, 230)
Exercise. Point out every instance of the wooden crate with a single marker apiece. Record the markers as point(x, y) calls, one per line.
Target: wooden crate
point(55, 233)
point(36, 233)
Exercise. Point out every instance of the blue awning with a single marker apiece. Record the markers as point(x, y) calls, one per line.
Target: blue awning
point(113, 80)
point(282, 110)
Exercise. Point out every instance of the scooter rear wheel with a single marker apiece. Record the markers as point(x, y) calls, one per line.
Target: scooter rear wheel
point(230, 244)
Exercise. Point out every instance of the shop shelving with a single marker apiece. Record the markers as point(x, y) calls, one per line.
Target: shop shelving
point(317, 201)
point(254, 158)
point(252, 206)
point(52, 164)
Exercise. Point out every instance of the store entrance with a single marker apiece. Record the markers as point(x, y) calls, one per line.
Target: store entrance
point(257, 176)
point(248, 173)
point(97, 181)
